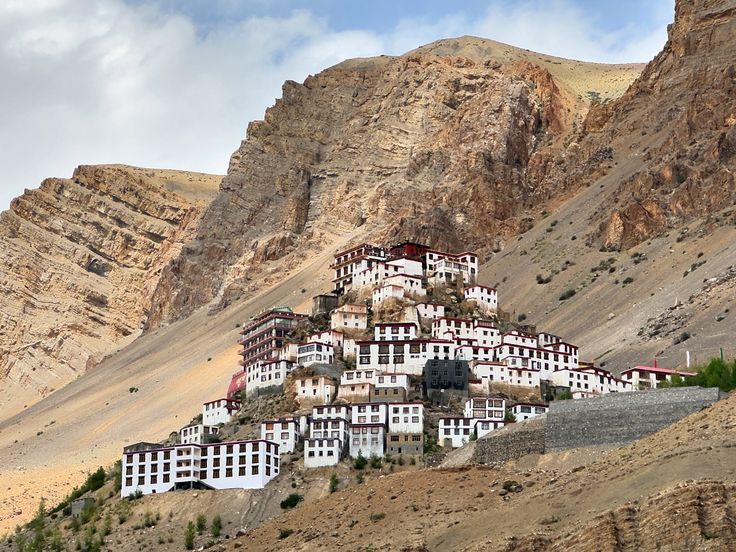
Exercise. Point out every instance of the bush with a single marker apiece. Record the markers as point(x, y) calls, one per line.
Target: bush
point(522, 317)
point(360, 478)
point(542, 280)
point(291, 501)
point(189, 536)
point(201, 523)
point(94, 481)
point(216, 527)
point(334, 482)
point(567, 294)
point(283, 533)
point(717, 373)
point(684, 336)
point(376, 462)
point(627, 280)
point(509, 417)
point(360, 462)
point(377, 517)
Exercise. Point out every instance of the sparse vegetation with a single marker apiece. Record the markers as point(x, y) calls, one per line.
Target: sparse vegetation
point(189, 536)
point(335, 482)
point(291, 501)
point(284, 533)
point(717, 373)
point(376, 462)
point(521, 317)
point(567, 295)
point(377, 517)
point(216, 527)
point(201, 523)
point(627, 280)
point(360, 462)
point(542, 280)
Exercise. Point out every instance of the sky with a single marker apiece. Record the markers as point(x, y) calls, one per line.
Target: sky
point(174, 83)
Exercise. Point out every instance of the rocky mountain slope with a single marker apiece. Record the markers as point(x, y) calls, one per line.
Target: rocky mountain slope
point(447, 144)
point(80, 260)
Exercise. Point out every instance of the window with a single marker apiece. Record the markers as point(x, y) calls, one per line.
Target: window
point(128, 481)
point(154, 479)
point(141, 479)
point(166, 478)
point(216, 474)
point(228, 472)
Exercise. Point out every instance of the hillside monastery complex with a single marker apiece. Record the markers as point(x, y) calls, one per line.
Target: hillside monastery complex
point(366, 363)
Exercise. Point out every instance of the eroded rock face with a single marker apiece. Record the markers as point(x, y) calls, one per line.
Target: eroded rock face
point(80, 260)
point(679, 116)
point(448, 150)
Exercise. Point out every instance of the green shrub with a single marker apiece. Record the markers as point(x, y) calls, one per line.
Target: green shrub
point(567, 295)
point(376, 462)
point(360, 462)
point(201, 523)
point(334, 482)
point(627, 280)
point(189, 536)
point(284, 533)
point(291, 501)
point(216, 527)
point(94, 481)
point(377, 517)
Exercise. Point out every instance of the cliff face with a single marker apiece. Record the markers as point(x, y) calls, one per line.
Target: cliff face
point(80, 259)
point(686, 100)
point(447, 149)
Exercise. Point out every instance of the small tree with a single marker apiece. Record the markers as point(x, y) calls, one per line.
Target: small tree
point(360, 462)
point(201, 523)
point(189, 536)
point(334, 482)
point(291, 501)
point(216, 527)
point(509, 417)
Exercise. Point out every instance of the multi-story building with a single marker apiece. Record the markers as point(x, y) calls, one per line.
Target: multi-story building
point(369, 413)
point(406, 417)
point(446, 374)
point(268, 373)
point(430, 311)
point(451, 268)
point(408, 356)
point(350, 262)
point(455, 431)
point(389, 394)
point(285, 432)
point(393, 380)
point(315, 353)
point(198, 434)
point(232, 465)
point(367, 440)
point(590, 380)
point(349, 316)
point(386, 291)
point(322, 452)
point(329, 411)
point(485, 408)
point(266, 333)
point(315, 388)
point(485, 297)
point(219, 411)
point(484, 427)
point(355, 392)
point(395, 331)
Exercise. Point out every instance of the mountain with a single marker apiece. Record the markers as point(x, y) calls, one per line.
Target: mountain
point(80, 260)
point(628, 201)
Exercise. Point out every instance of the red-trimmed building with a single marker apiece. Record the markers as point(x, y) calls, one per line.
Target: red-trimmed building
point(649, 377)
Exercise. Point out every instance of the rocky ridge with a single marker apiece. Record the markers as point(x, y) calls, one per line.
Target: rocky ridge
point(80, 260)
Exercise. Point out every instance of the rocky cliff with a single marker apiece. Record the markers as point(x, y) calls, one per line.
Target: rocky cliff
point(80, 260)
point(448, 144)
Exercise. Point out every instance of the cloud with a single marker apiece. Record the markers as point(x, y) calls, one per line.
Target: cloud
point(140, 83)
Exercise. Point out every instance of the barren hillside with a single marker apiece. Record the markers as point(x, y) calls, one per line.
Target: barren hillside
point(80, 259)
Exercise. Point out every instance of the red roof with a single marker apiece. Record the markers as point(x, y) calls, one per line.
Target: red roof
point(657, 370)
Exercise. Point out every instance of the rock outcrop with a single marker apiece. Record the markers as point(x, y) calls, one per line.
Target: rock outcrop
point(80, 260)
point(448, 144)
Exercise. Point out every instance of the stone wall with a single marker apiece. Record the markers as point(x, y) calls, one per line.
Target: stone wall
point(621, 417)
point(512, 441)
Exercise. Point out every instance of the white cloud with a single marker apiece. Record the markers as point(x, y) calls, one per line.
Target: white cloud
point(110, 82)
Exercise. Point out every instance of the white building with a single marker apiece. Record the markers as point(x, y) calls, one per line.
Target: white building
point(315, 353)
point(407, 357)
point(329, 411)
point(354, 260)
point(219, 411)
point(649, 377)
point(406, 417)
point(336, 428)
point(197, 434)
point(443, 267)
point(395, 331)
point(369, 413)
point(349, 316)
point(485, 408)
point(524, 411)
point(455, 432)
point(430, 311)
point(319, 453)
point(590, 381)
point(315, 388)
point(484, 427)
point(389, 291)
point(485, 297)
point(349, 377)
point(355, 392)
point(367, 440)
point(284, 432)
point(267, 373)
point(412, 284)
point(233, 465)
point(392, 380)
point(505, 372)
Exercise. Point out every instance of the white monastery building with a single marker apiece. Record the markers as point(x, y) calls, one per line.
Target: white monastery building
point(284, 432)
point(219, 411)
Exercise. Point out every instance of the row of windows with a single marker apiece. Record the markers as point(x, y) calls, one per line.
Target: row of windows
point(216, 474)
point(396, 438)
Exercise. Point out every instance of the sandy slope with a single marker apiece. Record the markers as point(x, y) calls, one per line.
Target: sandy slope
point(95, 415)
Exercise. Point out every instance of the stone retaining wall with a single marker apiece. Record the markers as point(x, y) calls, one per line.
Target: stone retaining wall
point(621, 417)
point(513, 441)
